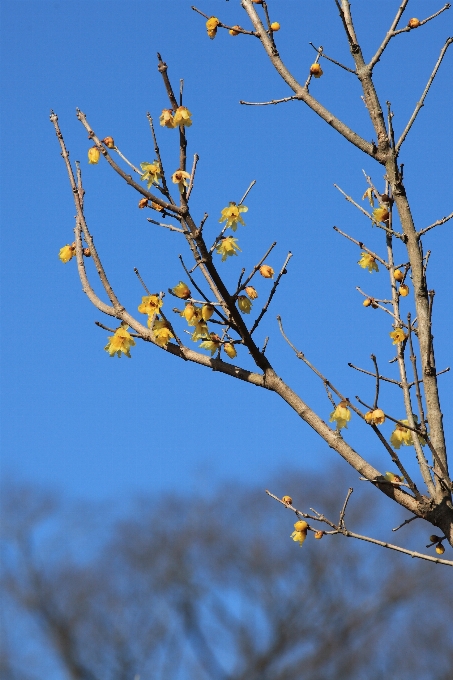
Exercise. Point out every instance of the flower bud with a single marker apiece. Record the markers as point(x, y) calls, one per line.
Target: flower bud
point(367, 302)
point(301, 525)
point(156, 206)
point(233, 30)
point(93, 155)
point(207, 311)
point(385, 198)
point(440, 549)
point(319, 534)
point(251, 292)
point(275, 26)
point(266, 271)
point(87, 252)
point(229, 350)
point(109, 143)
point(433, 538)
point(211, 27)
point(288, 500)
point(398, 275)
point(413, 23)
point(244, 304)
point(181, 290)
point(403, 290)
point(143, 202)
point(316, 70)
point(188, 312)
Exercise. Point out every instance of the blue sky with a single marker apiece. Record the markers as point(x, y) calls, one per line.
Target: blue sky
point(97, 427)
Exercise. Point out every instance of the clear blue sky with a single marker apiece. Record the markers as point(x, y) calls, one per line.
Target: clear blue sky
point(94, 426)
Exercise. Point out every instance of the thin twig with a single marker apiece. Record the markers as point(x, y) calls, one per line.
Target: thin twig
point(343, 509)
point(127, 161)
point(113, 330)
point(192, 174)
point(334, 61)
point(374, 360)
point(435, 224)
point(420, 103)
point(406, 521)
point(165, 188)
point(137, 273)
point(254, 270)
point(221, 25)
point(252, 184)
point(387, 311)
point(363, 247)
point(205, 298)
point(167, 226)
point(273, 101)
point(271, 294)
point(389, 35)
point(381, 377)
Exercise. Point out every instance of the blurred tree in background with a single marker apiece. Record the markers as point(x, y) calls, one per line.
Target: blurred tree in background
point(212, 588)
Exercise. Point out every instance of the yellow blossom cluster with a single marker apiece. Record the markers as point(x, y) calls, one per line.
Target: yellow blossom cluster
point(402, 436)
point(120, 343)
point(173, 119)
point(367, 261)
point(231, 215)
point(300, 532)
point(211, 27)
point(341, 415)
point(161, 330)
point(375, 417)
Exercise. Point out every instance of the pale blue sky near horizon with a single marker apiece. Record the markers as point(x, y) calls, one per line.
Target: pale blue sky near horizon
point(96, 427)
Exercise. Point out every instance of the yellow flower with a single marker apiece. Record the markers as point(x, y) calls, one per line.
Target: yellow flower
point(440, 549)
point(231, 215)
point(403, 290)
point(230, 350)
point(300, 533)
point(251, 292)
point(181, 290)
point(376, 417)
point(188, 312)
point(398, 275)
point(162, 333)
point(288, 500)
point(120, 342)
point(266, 271)
point(367, 261)
point(227, 247)
point(150, 305)
point(341, 415)
point(182, 117)
point(401, 436)
point(319, 534)
point(180, 177)
point(369, 194)
point(380, 214)
point(206, 312)
point(143, 202)
point(275, 26)
point(316, 70)
point(201, 331)
point(234, 31)
point(151, 173)
point(156, 206)
point(66, 253)
point(212, 344)
point(394, 479)
point(109, 143)
point(93, 155)
point(244, 304)
point(211, 27)
point(398, 336)
point(413, 23)
point(166, 118)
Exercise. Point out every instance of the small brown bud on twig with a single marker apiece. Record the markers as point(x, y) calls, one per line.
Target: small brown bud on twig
point(109, 143)
point(87, 252)
point(288, 500)
point(319, 534)
point(413, 23)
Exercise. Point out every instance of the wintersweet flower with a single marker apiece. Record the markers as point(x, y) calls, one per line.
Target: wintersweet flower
point(341, 415)
point(156, 206)
point(227, 247)
point(188, 312)
point(244, 304)
point(414, 23)
point(212, 344)
point(367, 261)
point(182, 117)
point(231, 215)
point(251, 292)
point(398, 336)
point(109, 143)
point(275, 26)
point(206, 312)
point(151, 173)
point(300, 532)
point(319, 534)
point(394, 479)
point(403, 290)
point(211, 27)
point(369, 195)
point(375, 417)
point(143, 202)
point(316, 70)
point(162, 333)
point(201, 331)
point(440, 549)
point(120, 343)
point(180, 177)
point(287, 499)
point(66, 253)
point(87, 252)
point(181, 290)
point(93, 155)
point(151, 305)
point(230, 350)
point(266, 271)
point(166, 118)
point(398, 275)
point(380, 214)
point(234, 31)
point(401, 436)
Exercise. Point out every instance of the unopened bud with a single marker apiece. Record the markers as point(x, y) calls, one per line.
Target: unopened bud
point(234, 31)
point(413, 23)
point(288, 500)
point(367, 302)
point(275, 26)
point(143, 202)
point(266, 271)
point(301, 525)
point(319, 534)
point(398, 275)
point(87, 252)
point(207, 311)
point(440, 549)
point(403, 290)
point(251, 292)
point(93, 155)
point(434, 539)
point(109, 143)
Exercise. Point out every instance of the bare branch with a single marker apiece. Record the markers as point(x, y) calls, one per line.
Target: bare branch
point(334, 61)
point(271, 294)
point(273, 101)
point(192, 174)
point(389, 35)
point(435, 224)
point(252, 184)
point(421, 102)
point(228, 28)
point(406, 521)
point(363, 247)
